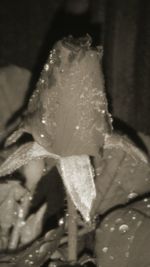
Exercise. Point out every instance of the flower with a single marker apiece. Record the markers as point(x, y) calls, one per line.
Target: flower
point(68, 118)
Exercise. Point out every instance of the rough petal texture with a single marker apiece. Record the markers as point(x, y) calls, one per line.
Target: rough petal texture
point(67, 113)
point(77, 175)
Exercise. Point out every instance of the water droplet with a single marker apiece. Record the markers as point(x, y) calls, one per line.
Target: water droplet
point(30, 256)
point(105, 249)
point(127, 254)
point(133, 217)
point(61, 221)
point(30, 198)
point(112, 229)
point(132, 195)
point(46, 67)
point(31, 262)
point(118, 220)
point(77, 127)
point(123, 228)
point(43, 121)
point(145, 200)
point(42, 135)
point(20, 214)
point(148, 205)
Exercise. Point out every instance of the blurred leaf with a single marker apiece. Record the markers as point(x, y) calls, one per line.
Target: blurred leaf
point(14, 83)
point(10, 194)
point(36, 254)
point(123, 238)
point(33, 226)
point(122, 173)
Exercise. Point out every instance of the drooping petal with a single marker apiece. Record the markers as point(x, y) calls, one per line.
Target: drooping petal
point(23, 155)
point(77, 175)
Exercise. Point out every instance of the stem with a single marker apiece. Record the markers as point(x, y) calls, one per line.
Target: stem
point(72, 231)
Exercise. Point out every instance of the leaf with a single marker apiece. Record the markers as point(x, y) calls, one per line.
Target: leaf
point(123, 173)
point(13, 86)
point(77, 175)
point(23, 155)
point(67, 113)
point(33, 226)
point(37, 253)
point(123, 238)
point(10, 194)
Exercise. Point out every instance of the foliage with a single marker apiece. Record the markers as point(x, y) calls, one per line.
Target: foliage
point(68, 119)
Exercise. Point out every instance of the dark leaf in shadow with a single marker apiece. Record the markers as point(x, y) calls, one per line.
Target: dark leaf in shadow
point(122, 174)
point(36, 254)
point(123, 237)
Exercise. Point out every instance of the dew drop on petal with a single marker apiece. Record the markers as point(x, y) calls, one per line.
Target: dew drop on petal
point(132, 195)
point(61, 221)
point(77, 127)
point(105, 249)
point(46, 67)
point(123, 228)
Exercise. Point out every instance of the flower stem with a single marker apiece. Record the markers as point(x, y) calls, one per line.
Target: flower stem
point(72, 231)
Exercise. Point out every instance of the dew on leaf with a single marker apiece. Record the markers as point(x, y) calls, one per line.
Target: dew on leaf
point(118, 220)
point(77, 127)
point(105, 249)
point(123, 228)
point(111, 257)
point(112, 229)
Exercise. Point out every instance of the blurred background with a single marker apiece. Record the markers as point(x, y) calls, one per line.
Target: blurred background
point(28, 30)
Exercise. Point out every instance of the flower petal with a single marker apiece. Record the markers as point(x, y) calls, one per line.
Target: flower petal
point(77, 174)
point(68, 114)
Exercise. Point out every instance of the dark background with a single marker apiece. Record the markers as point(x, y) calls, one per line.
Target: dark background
point(29, 28)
